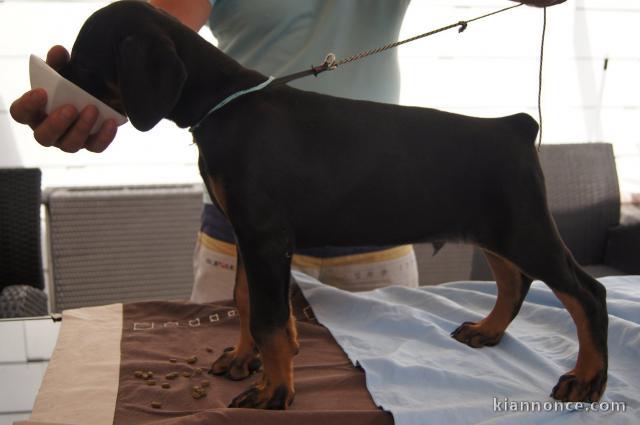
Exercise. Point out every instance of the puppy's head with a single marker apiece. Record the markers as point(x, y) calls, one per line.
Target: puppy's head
point(125, 55)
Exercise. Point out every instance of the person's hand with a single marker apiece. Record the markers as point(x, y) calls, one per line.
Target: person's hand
point(64, 128)
point(540, 3)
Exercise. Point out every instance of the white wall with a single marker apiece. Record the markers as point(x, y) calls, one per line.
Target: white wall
point(489, 70)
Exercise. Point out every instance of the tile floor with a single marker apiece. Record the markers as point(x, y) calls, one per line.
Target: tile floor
point(25, 350)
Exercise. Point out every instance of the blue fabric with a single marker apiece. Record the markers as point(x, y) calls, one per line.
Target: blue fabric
point(415, 370)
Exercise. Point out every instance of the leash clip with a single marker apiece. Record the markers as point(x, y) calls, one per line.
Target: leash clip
point(329, 64)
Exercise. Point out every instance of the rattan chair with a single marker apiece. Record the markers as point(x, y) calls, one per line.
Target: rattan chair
point(121, 244)
point(21, 275)
point(584, 198)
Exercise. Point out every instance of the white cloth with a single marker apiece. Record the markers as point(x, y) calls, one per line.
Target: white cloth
point(415, 370)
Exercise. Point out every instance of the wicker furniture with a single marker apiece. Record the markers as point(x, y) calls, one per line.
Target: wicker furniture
point(584, 198)
point(121, 244)
point(21, 276)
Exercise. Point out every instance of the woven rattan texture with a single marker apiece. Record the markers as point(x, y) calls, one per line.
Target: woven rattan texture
point(20, 249)
point(584, 196)
point(122, 244)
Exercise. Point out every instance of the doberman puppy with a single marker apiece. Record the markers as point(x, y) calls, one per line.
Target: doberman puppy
point(291, 168)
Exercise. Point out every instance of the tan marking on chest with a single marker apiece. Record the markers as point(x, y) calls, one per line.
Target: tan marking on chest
point(216, 188)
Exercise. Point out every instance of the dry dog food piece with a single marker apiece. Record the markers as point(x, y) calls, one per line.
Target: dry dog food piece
point(173, 360)
point(171, 375)
point(156, 404)
point(198, 392)
point(166, 385)
point(145, 376)
point(192, 359)
point(204, 384)
point(187, 374)
point(151, 382)
point(138, 373)
point(150, 374)
point(198, 371)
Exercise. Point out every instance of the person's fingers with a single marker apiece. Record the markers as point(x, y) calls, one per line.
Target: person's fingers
point(29, 108)
point(57, 57)
point(76, 136)
point(102, 139)
point(49, 131)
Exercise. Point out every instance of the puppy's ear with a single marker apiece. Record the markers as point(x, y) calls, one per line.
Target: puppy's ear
point(151, 76)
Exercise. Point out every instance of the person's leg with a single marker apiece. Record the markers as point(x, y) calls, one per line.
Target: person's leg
point(361, 272)
point(214, 270)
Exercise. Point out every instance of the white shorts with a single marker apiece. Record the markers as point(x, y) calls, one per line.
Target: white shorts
point(214, 265)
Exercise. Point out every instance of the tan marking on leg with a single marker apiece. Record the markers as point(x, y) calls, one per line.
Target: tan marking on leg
point(275, 389)
point(509, 282)
point(241, 296)
point(590, 361)
point(489, 331)
point(237, 363)
point(278, 350)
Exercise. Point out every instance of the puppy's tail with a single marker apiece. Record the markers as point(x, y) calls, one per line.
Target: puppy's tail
point(525, 126)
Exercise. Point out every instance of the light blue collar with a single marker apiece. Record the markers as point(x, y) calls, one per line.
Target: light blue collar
point(229, 99)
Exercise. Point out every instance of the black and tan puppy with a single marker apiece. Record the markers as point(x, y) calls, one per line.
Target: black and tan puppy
point(292, 169)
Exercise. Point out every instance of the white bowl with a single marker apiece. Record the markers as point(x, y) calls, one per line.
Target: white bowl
point(61, 91)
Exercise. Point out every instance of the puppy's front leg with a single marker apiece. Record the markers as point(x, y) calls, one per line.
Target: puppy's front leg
point(266, 253)
point(242, 360)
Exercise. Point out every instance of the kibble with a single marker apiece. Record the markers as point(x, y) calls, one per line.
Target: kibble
point(198, 392)
point(138, 373)
point(204, 384)
point(173, 360)
point(145, 376)
point(150, 374)
point(151, 382)
point(198, 371)
point(171, 375)
point(156, 404)
point(192, 360)
point(187, 374)
point(166, 385)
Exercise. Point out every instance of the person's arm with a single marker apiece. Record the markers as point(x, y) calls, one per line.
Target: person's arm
point(67, 128)
point(540, 3)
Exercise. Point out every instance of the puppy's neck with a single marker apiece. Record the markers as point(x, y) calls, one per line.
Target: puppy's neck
point(212, 76)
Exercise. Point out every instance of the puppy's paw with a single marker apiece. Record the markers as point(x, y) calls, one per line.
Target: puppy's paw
point(571, 388)
point(476, 335)
point(237, 364)
point(265, 396)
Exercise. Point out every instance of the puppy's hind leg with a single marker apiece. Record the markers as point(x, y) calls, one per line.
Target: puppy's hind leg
point(539, 252)
point(512, 289)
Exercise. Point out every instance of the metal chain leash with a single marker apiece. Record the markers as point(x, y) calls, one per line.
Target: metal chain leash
point(330, 63)
point(462, 24)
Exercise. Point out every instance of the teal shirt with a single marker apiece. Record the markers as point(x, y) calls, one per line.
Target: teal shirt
point(279, 37)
